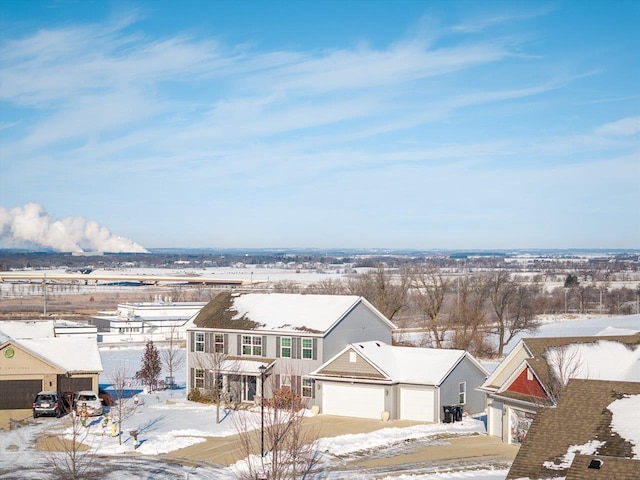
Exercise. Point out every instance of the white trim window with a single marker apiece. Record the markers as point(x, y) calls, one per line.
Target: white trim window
point(462, 393)
point(218, 342)
point(199, 338)
point(285, 381)
point(307, 387)
point(199, 377)
point(285, 347)
point(307, 348)
point(252, 345)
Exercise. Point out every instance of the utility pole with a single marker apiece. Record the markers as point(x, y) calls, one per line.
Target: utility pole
point(44, 285)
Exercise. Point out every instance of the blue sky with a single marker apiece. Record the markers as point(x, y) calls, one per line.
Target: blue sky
point(390, 124)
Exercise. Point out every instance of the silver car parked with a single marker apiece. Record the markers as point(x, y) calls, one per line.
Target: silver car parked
point(88, 399)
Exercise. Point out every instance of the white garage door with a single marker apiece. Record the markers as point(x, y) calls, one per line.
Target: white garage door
point(362, 401)
point(416, 404)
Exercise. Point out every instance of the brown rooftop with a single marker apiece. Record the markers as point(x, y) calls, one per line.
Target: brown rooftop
point(580, 417)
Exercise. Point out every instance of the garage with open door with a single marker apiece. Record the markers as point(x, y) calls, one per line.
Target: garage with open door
point(18, 394)
point(417, 403)
point(352, 400)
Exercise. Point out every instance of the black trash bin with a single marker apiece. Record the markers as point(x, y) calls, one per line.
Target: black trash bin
point(448, 414)
point(458, 413)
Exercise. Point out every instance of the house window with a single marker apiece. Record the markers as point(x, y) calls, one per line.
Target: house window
point(307, 387)
point(218, 343)
point(285, 347)
point(285, 381)
point(199, 377)
point(462, 393)
point(252, 345)
point(307, 348)
point(199, 342)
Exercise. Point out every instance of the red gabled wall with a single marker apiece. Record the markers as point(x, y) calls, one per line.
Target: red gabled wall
point(527, 387)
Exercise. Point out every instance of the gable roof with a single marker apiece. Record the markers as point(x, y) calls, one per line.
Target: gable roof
point(596, 357)
point(281, 312)
point(71, 354)
point(413, 365)
point(27, 329)
point(593, 417)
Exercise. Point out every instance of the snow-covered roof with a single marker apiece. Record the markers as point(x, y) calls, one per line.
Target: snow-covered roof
point(72, 354)
point(626, 420)
point(601, 360)
point(27, 329)
point(613, 331)
point(289, 312)
point(423, 366)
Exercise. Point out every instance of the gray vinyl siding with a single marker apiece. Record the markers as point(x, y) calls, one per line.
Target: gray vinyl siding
point(360, 325)
point(465, 371)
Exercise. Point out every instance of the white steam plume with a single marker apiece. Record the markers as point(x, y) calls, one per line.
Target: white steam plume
point(31, 225)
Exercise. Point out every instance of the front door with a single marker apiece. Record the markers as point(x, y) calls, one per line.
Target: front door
point(249, 384)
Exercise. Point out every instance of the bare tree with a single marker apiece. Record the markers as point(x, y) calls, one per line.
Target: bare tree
point(514, 307)
point(71, 456)
point(173, 357)
point(329, 286)
point(430, 290)
point(469, 316)
point(385, 291)
point(290, 448)
point(219, 387)
point(564, 363)
point(120, 380)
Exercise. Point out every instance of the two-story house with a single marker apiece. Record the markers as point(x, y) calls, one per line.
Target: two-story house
point(243, 338)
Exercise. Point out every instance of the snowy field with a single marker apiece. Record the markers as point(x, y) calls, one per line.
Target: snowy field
point(166, 422)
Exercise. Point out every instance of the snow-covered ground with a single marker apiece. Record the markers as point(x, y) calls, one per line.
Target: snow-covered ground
point(166, 422)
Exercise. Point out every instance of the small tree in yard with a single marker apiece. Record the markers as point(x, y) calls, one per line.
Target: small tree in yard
point(173, 357)
point(69, 456)
point(122, 409)
point(290, 445)
point(151, 365)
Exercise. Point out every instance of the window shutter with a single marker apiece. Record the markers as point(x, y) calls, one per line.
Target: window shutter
point(264, 345)
point(277, 347)
point(207, 380)
point(295, 347)
point(315, 348)
point(207, 342)
point(239, 344)
point(192, 377)
point(296, 383)
point(313, 388)
point(277, 381)
point(226, 343)
point(192, 338)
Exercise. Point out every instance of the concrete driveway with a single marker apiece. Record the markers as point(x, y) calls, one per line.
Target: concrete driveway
point(450, 448)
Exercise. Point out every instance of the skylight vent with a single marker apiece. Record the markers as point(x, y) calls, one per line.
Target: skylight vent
point(595, 464)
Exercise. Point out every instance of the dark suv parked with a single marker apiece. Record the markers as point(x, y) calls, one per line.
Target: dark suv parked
point(47, 403)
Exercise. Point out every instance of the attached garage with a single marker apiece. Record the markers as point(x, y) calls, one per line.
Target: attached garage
point(417, 403)
point(18, 394)
point(362, 401)
point(30, 365)
point(408, 383)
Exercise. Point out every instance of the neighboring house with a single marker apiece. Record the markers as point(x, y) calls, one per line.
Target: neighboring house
point(593, 433)
point(288, 335)
point(46, 328)
point(534, 373)
point(138, 322)
point(30, 365)
point(366, 379)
